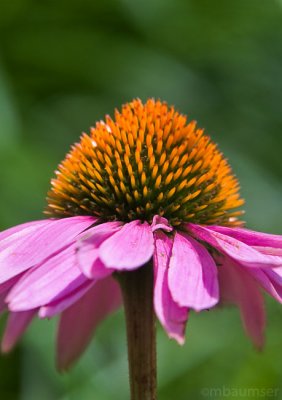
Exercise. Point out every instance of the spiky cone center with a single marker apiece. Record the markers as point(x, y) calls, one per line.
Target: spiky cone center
point(147, 160)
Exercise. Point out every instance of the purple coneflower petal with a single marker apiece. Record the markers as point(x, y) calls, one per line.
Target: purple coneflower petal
point(3, 304)
point(58, 306)
point(15, 229)
point(172, 317)
point(14, 236)
point(238, 287)
point(16, 325)
point(4, 290)
point(50, 281)
point(32, 245)
point(161, 223)
point(239, 251)
point(270, 280)
point(250, 237)
point(6, 286)
point(129, 248)
point(78, 322)
point(275, 274)
point(271, 251)
point(192, 274)
point(88, 250)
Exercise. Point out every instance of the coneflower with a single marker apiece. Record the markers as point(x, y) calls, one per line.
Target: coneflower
point(145, 203)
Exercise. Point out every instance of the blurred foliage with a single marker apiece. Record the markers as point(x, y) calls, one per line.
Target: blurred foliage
point(63, 65)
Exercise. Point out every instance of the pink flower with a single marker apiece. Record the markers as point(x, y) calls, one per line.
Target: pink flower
point(146, 188)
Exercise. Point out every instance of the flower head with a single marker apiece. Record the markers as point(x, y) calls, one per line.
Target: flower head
point(143, 187)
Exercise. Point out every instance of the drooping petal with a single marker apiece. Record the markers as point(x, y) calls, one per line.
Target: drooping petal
point(78, 323)
point(4, 290)
point(88, 250)
point(15, 229)
point(239, 251)
point(263, 242)
point(3, 303)
point(250, 237)
point(5, 286)
point(58, 306)
point(271, 251)
point(129, 248)
point(161, 223)
point(192, 275)
point(270, 279)
point(48, 282)
point(34, 244)
point(275, 274)
point(172, 317)
point(16, 325)
point(238, 287)
point(18, 235)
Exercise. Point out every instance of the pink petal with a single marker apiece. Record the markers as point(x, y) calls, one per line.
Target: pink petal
point(192, 275)
point(274, 274)
point(239, 251)
point(32, 245)
point(270, 280)
point(21, 227)
point(250, 237)
point(48, 282)
point(62, 304)
point(3, 304)
point(129, 248)
point(4, 290)
point(17, 234)
point(271, 251)
point(172, 317)
point(161, 223)
point(238, 287)
point(16, 325)
point(6, 286)
point(88, 250)
point(78, 323)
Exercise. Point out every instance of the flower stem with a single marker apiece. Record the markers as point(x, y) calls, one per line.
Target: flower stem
point(137, 292)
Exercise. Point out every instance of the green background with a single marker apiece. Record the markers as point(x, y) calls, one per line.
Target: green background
point(65, 64)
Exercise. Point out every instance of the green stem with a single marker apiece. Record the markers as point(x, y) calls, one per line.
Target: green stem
point(137, 292)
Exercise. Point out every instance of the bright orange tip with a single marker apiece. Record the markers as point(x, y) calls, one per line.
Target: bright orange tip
point(147, 160)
